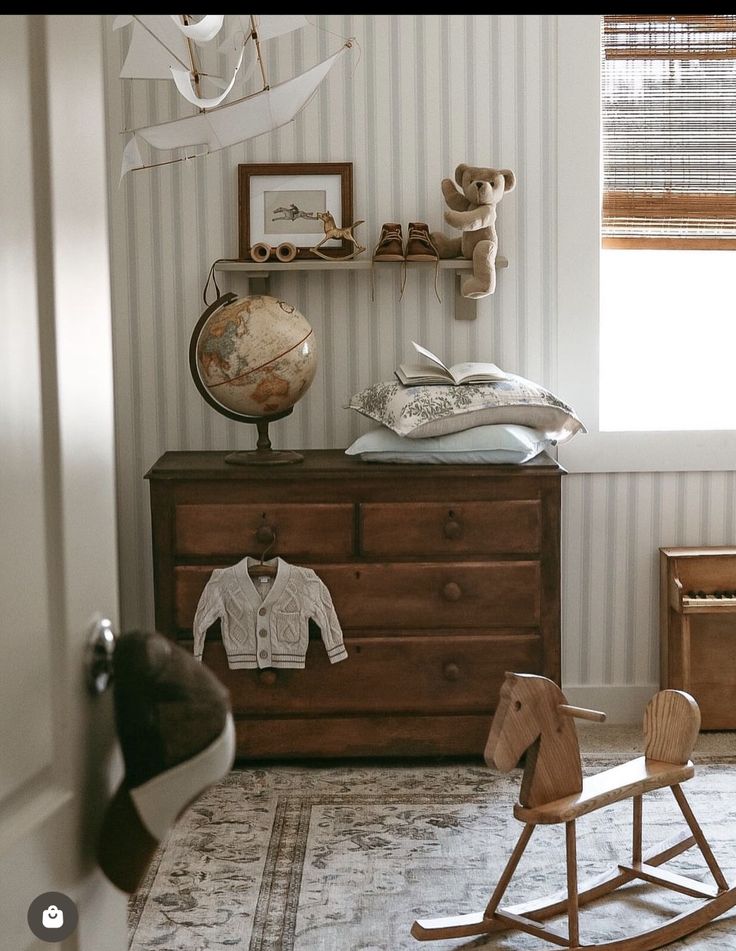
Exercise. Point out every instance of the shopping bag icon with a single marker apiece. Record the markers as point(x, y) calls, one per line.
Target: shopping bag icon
point(52, 917)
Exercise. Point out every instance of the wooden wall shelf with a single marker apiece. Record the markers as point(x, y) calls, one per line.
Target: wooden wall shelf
point(258, 274)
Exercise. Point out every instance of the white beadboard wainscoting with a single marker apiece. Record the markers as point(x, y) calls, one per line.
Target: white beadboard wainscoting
point(420, 95)
point(612, 527)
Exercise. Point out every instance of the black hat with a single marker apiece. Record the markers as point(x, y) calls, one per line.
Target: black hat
point(177, 737)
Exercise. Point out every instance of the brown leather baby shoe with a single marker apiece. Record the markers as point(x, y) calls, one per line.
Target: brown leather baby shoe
point(390, 245)
point(419, 246)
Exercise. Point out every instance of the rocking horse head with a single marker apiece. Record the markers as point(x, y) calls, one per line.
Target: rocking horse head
point(531, 716)
point(327, 220)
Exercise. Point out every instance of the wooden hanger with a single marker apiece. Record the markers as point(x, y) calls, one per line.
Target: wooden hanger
point(262, 570)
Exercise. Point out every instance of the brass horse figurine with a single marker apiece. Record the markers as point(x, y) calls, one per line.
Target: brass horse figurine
point(332, 232)
point(533, 716)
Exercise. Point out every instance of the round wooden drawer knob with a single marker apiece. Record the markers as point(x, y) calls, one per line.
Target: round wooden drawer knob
point(452, 528)
point(268, 677)
point(452, 591)
point(451, 671)
point(265, 535)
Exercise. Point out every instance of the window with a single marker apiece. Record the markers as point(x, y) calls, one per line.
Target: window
point(647, 239)
point(668, 340)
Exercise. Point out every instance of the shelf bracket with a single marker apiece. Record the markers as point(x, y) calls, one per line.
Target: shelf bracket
point(466, 308)
point(259, 282)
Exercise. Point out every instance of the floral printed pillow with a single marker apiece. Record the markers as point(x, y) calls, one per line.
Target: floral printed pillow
point(419, 411)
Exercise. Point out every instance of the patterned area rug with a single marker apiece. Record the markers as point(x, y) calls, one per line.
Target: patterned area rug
point(343, 858)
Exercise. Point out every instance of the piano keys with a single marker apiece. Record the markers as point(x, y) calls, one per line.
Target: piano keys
point(704, 602)
point(698, 629)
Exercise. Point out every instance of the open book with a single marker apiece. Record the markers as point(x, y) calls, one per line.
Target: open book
point(435, 371)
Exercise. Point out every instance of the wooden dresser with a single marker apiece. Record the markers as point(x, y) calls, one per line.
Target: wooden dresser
point(443, 578)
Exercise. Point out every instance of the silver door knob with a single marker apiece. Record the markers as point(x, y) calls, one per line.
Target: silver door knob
point(99, 656)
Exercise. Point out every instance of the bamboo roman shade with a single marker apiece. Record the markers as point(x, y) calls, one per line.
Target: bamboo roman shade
point(669, 130)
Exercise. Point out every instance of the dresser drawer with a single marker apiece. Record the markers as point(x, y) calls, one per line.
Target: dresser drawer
point(387, 674)
point(405, 596)
point(431, 595)
point(321, 529)
point(392, 529)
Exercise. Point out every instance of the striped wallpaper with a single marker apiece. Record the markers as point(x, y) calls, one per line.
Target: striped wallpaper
point(421, 94)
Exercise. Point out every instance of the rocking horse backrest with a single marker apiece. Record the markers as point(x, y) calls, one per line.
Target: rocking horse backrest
point(528, 718)
point(671, 726)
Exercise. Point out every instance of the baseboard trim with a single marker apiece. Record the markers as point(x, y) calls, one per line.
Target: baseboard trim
point(622, 703)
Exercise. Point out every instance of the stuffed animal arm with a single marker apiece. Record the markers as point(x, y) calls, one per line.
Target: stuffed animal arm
point(454, 198)
point(469, 220)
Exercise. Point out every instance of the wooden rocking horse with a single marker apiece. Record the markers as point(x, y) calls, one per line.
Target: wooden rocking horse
point(333, 233)
point(534, 716)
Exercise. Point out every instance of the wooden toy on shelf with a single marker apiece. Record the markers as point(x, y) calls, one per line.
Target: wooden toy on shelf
point(333, 233)
point(533, 716)
point(283, 252)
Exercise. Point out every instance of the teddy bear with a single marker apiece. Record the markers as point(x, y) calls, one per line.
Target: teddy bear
point(473, 210)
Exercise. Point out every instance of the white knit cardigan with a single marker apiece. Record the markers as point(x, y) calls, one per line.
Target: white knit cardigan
point(267, 625)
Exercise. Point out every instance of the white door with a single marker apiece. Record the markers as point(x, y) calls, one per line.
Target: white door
point(57, 505)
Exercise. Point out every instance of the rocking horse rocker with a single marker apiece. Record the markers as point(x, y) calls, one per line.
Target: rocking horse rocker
point(533, 715)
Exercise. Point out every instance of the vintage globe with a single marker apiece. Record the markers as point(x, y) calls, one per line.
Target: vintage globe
point(253, 357)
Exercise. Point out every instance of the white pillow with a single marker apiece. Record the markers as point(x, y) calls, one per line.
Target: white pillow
point(479, 445)
point(421, 411)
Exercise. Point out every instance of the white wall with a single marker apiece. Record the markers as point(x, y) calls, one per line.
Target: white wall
point(423, 94)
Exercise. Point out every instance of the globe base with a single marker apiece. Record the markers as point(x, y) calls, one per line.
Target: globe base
point(263, 457)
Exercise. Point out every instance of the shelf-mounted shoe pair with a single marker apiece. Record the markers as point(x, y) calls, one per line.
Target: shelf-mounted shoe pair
point(419, 249)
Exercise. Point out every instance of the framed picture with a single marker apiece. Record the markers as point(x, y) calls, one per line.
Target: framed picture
point(282, 203)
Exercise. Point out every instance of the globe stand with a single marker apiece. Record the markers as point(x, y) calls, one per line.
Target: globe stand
point(264, 455)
